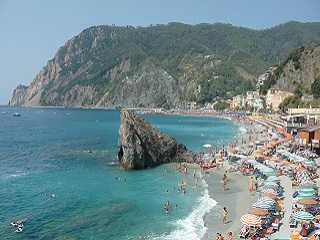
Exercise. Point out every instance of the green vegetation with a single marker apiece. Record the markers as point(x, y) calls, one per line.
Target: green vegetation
point(220, 58)
point(221, 106)
point(315, 88)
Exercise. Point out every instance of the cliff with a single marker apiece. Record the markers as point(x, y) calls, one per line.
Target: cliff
point(299, 70)
point(160, 66)
point(142, 146)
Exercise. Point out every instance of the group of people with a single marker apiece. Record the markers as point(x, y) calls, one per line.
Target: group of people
point(229, 236)
point(18, 225)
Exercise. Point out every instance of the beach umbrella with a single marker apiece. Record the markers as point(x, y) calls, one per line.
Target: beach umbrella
point(274, 184)
point(307, 190)
point(272, 179)
point(266, 200)
point(270, 195)
point(251, 220)
point(270, 191)
point(307, 184)
point(308, 163)
point(263, 206)
point(258, 212)
point(264, 203)
point(306, 194)
point(303, 216)
point(307, 201)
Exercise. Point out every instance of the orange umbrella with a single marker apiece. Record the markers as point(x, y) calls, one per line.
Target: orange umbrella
point(270, 195)
point(258, 212)
point(307, 201)
point(251, 220)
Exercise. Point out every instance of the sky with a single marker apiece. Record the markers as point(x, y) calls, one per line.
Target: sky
point(33, 30)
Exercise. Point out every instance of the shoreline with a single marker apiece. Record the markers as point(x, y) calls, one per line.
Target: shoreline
point(237, 200)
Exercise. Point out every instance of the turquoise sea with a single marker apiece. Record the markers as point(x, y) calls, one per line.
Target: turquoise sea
point(49, 178)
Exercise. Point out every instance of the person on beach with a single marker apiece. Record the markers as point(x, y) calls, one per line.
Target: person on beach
point(219, 237)
point(225, 181)
point(251, 184)
point(230, 236)
point(225, 215)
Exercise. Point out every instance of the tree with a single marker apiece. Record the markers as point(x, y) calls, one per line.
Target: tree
point(290, 102)
point(298, 91)
point(315, 88)
point(221, 106)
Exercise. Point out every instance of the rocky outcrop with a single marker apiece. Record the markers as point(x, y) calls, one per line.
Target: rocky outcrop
point(300, 70)
point(142, 146)
point(18, 96)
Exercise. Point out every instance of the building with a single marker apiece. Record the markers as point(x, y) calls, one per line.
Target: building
point(252, 98)
point(310, 135)
point(275, 97)
point(237, 102)
point(265, 77)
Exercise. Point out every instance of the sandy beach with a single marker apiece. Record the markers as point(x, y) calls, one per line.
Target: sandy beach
point(237, 199)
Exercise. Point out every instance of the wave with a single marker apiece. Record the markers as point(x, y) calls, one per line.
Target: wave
point(193, 226)
point(243, 130)
point(13, 175)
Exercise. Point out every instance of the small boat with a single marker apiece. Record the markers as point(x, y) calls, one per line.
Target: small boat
point(16, 114)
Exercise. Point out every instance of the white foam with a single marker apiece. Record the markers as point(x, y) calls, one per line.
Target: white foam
point(243, 130)
point(14, 175)
point(193, 227)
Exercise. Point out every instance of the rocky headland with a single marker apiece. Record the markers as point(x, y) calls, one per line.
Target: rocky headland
point(143, 146)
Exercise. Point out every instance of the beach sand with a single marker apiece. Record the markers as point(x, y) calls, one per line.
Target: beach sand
point(237, 199)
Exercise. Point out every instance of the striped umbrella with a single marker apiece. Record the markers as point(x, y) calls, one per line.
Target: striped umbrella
point(251, 220)
point(308, 184)
point(264, 204)
point(271, 184)
point(258, 212)
point(272, 179)
point(307, 190)
point(267, 200)
point(269, 190)
point(275, 188)
point(303, 216)
point(308, 163)
point(270, 195)
point(305, 195)
point(307, 201)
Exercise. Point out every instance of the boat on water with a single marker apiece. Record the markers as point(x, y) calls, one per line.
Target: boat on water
point(16, 114)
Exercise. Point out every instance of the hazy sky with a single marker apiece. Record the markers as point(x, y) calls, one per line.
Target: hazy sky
point(32, 30)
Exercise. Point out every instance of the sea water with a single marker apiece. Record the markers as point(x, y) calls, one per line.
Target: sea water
point(57, 174)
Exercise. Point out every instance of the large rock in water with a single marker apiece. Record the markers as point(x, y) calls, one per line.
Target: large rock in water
point(142, 146)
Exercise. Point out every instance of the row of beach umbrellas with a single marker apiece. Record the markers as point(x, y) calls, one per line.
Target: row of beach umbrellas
point(264, 204)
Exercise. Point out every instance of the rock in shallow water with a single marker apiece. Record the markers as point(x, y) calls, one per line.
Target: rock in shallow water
point(142, 146)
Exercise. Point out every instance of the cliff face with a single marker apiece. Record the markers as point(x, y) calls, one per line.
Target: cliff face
point(18, 96)
point(142, 146)
point(160, 66)
point(300, 70)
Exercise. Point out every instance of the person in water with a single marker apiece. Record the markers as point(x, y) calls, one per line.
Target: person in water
point(225, 181)
point(225, 215)
point(167, 207)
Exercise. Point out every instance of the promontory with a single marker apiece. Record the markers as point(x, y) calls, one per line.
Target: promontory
point(143, 146)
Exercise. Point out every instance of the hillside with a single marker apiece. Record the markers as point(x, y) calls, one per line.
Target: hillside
point(299, 70)
point(162, 65)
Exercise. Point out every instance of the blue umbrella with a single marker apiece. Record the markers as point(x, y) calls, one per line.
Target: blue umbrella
point(303, 216)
